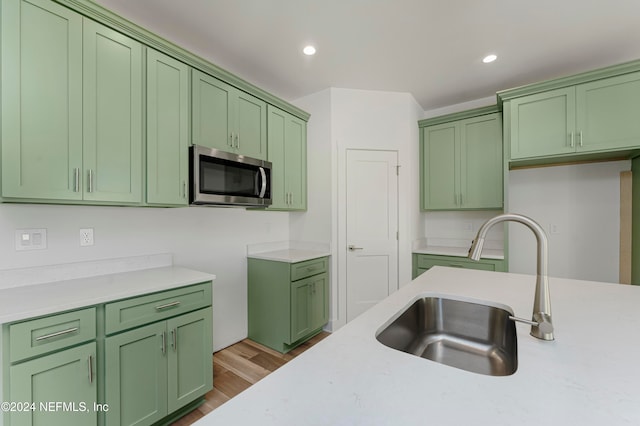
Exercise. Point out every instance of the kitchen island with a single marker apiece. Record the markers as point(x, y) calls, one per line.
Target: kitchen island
point(587, 376)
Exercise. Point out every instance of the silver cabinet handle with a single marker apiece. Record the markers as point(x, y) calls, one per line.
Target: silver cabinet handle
point(571, 140)
point(238, 140)
point(56, 334)
point(230, 140)
point(90, 368)
point(580, 139)
point(174, 338)
point(76, 180)
point(164, 342)
point(354, 248)
point(167, 305)
point(90, 184)
point(184, 189)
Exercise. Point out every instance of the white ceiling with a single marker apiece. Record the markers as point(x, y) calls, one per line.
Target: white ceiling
point(429, 48)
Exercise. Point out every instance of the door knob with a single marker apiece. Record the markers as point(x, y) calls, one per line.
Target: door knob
point(353, 248)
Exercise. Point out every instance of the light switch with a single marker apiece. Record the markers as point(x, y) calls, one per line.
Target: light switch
point(31, 239)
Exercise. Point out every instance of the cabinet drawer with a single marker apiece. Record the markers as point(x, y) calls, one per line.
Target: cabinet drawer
point(308, 268)
point(142, 310)
point(40, 336)
point(426, 262)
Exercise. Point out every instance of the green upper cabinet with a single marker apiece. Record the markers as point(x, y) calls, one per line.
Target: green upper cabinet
point(167, 130)
point(596, 116)
point(74, 131)
point(607, 113)
point(112, 95)
point(461, 163)
point(287, 147)
point(543, 124)
point(226, 118)
point(41, 100)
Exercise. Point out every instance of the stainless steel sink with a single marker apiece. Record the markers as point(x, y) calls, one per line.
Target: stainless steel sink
point(470, 336)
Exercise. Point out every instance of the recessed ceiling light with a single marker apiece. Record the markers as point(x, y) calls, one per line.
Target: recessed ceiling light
point(489, 58)
point(309, 50)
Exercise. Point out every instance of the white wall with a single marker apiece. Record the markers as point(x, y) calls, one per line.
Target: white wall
point(583, 202)
point(208, 239)
point(343, 119)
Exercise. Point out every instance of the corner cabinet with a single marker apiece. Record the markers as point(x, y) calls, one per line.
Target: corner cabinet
point(73, 133)
point(461, 163)
point(423, 262)
point(167, 130)
point(288, 302)
point(227, 118)
point(287, 148)
point(589, 120)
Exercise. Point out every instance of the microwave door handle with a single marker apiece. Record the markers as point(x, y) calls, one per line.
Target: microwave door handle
point(263, 189)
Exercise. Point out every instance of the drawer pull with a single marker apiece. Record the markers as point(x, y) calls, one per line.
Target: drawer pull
point(164, 343)
point(311, 269)
point(56, 334)
point(174, 335)
point(168, 305)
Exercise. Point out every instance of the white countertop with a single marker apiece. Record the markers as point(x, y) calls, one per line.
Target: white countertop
point(588, 376)
point(28, 301)
point(459, 252)
point(290, 255)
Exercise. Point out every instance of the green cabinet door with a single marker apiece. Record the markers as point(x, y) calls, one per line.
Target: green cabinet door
point(440, 169)
point(300, 309)
point(211, 119)
point(543, 124)
point(41, 100)
point(190, 370)
point(112, 94)
point(319, 301)
point(136, 376)
point(277, 120)
point(481, 170)
point(68, 377)
point(608, 113)
point(287, 148)
point(309, 305)
point(167, 130)
point(250, 137)
point(295, 159)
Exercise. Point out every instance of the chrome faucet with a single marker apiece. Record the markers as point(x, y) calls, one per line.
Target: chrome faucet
point(541, 324)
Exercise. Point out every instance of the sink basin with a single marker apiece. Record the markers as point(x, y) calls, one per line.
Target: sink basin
point(469, 336)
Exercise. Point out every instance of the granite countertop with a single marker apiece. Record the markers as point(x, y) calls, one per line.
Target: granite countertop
point(290, 255)
point(28, 301)
point(459, 252)
point(587, 376)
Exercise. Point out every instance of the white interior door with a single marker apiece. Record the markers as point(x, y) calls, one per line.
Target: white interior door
point(372, 228)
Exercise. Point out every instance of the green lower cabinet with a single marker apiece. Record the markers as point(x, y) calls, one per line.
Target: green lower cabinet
point(157, 369)
point(288, 302)
point(66, 377)
point(136, 376)
point(423, 262)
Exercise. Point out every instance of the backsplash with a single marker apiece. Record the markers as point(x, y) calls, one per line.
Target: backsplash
point(458, 229)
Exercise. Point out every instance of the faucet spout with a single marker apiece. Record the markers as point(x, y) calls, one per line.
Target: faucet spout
point(543, 328)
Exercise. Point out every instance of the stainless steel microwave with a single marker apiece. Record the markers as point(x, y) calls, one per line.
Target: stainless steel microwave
point(224, 178)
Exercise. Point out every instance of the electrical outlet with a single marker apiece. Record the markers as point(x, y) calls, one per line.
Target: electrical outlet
point(86, 236)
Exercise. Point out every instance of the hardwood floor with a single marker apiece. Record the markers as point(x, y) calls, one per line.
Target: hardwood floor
point(239, 366)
